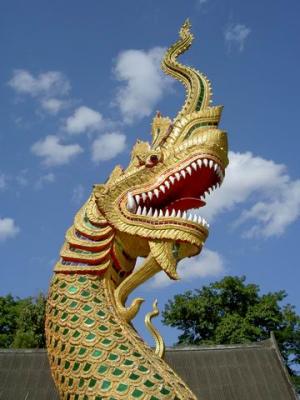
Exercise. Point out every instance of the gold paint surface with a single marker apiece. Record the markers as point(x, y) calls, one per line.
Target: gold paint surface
point(94, 351)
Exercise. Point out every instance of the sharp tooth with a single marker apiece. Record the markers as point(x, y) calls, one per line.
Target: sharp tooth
point(205, 162)
point(206, 193)
point(156, 192)
point(178, 214)
point(184, 214)
point(211, 163)
point(137, 198)
point(144, 212)
point(205, 223)
point(161, 214)
point(189, 170)
point(202, 197)
point(130, 202)
point(195, 219)
point(199, 220)
point(150, 195)
point(194, 165)
point(144, 196)
point(155, 214)
point(215, 166)
point(183, 173)
point(167, 184)
point(139, 210)
point(190, 217)
point(172, 179)
point(199, 162)
point(162, 188)
point(149, 212)
point(167, 214)
point(220, 174)
point(177, 176)
point(173, 213)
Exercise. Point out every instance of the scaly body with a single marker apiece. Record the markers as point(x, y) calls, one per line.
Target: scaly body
point(94, 353)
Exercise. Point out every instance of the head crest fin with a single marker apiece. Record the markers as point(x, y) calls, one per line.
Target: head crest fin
point(196, 84)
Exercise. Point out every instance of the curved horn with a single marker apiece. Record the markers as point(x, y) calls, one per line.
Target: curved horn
point(197, 85)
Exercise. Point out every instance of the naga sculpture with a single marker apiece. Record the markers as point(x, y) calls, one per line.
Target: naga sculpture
point(142, 211)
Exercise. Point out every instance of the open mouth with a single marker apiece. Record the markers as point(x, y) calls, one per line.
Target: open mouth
point(179, 191)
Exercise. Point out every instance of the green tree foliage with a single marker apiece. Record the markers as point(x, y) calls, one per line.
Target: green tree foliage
point(22, 322)
point(231, 311)
point(8, 320)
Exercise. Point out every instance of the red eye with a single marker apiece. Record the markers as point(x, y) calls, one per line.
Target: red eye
point(154, 159)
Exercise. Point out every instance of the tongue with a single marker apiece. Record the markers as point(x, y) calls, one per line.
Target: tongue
point(185, 204)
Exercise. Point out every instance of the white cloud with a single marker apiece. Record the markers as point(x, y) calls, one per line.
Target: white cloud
point(207, 263)
point(273, 217)
point(84, 119)
point(47, 84)
point(78, 194)
point(108, 146)
point(8, 229)
point(53, 152)
point(271, 196)
point(53, 105)
point(236, 34)
point(144, 82)
point(48, 88)
point(44, 179)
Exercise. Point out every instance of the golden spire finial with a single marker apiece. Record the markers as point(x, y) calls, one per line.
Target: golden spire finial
point(185, 28)
point(197, 85)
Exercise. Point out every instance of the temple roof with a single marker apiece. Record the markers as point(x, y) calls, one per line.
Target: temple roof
point(231, 372)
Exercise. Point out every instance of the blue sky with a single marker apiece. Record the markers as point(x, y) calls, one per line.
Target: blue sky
point(80, 82)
